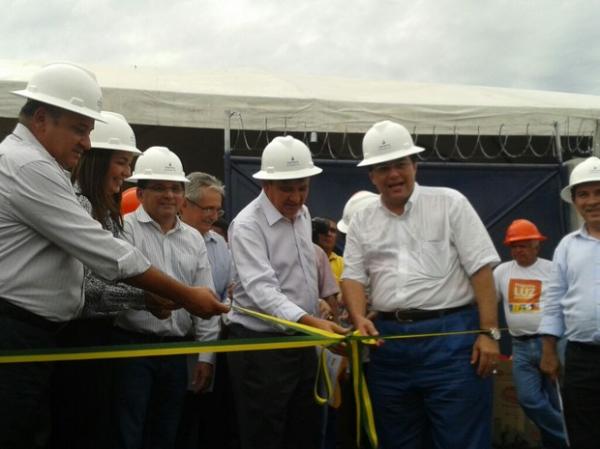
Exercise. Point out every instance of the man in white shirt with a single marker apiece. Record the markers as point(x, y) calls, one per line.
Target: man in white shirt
point(426, 257)
point(521, 286)
point(276, 274)
point(150, 391)
point(46, 237)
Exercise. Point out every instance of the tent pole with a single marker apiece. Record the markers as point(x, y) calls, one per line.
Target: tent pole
point(227, 164)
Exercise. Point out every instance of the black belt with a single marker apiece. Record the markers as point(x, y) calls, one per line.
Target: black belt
point(526, 337)
point(410, 315)
point(18, 313)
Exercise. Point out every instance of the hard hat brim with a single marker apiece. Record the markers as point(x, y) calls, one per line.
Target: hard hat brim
point(342, 226)
point(281, 176)
point(565, 193)
point(399, 154)
point(174, 178)
point(523, 238)
point(116, 147)
point(52, 101)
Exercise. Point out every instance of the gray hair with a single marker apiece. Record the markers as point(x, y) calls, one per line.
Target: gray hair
point(200, 180)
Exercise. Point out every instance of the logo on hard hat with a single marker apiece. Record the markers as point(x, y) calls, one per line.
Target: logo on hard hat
point(170, 167)
point(292, 162)
point(384, 146)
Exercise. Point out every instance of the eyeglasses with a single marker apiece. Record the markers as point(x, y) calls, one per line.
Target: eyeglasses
point(208, 210)
point(175, 190)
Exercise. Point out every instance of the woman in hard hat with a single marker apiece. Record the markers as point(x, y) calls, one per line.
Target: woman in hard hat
point(81, 412)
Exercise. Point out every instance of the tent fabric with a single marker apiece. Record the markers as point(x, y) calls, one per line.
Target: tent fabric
point(205, 99)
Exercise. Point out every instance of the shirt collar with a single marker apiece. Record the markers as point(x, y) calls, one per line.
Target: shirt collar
point(23, 133)
point(271, 212)
point(209, 237)
point(142, 216)
point(410, 203)
point(583, 233)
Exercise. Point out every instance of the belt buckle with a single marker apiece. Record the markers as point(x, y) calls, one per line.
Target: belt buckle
point(401, 320)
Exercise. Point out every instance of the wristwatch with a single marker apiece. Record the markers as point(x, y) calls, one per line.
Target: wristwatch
point(494, 333)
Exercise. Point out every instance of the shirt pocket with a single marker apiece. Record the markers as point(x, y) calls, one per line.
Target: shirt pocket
point(433, 259)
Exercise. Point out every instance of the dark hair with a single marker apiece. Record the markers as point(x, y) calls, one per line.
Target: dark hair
point(31, 106)
point(319, 226)
point(90, 174)
point(412, 157)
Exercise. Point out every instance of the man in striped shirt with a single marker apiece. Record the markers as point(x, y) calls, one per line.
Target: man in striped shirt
point(150, 391)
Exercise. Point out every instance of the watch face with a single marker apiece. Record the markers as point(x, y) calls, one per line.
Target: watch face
point(495, 333)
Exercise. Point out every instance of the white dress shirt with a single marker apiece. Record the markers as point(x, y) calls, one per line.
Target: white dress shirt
point(275, 265)
point(46, 236)
point(523, 294)
point(422, 259)
point(180, 253)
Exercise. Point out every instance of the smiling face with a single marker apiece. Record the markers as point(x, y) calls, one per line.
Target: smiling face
point(162, 200)
point(202, 213)
point(287, 196)
point(65, 137)
point(119, 169)
point(586, 198)
point(395, 180)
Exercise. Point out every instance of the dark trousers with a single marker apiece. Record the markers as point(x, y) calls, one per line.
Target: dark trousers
point(273, 391)
point(208, 420)
point(24, 387)
point(149, 394)
point(81, 390)
point(582, 395)
point(425, 392)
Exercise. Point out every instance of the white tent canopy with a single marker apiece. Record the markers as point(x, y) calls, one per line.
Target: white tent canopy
point(203, 99)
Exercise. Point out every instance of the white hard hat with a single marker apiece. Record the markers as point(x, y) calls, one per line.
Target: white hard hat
point(386, 141)
point(286, 158)
point(66, 86)
point(586, 171)
point(356, 202)
point(160, 164)
point(114, 134)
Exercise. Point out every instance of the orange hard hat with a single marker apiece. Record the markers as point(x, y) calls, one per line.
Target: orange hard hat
point(520, 230)
point(129, 200)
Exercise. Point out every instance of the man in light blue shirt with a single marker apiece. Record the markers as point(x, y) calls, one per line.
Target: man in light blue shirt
point(276, 273)
point(208, 412)
point(572, 309)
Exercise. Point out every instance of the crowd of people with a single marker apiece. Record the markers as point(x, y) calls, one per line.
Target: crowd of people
point(77, 271)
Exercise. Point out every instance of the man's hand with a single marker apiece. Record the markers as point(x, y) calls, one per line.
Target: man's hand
point(485, 354)
point(159, 307)
point(202, 377)
point(325, 311)
point(202, 302)
point(549, 364)
point(325, 325)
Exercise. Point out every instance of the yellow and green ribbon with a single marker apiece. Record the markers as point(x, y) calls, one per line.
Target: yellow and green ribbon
point(312, 337)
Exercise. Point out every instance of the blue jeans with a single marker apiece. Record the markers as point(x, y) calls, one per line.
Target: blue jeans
point(149, 394)
point(425, 392)
point(536, 393)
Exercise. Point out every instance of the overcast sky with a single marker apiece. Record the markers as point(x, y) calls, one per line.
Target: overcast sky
point(537, 44)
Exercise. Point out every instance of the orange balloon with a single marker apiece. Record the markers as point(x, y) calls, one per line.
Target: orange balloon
point(129, 200)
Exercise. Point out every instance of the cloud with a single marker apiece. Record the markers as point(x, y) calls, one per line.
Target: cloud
point(535, 44)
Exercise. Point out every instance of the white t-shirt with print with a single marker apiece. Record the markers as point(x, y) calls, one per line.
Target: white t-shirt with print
point(521, 290)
